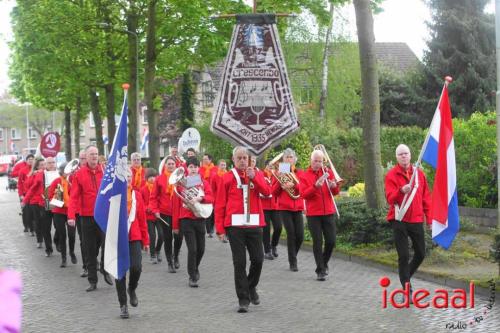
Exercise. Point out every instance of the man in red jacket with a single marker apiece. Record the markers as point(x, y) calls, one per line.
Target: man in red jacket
point(85, 184)
point(192, 227)
point(318, 186)
point(23, 169)
point(238, 212)
point(397, 186)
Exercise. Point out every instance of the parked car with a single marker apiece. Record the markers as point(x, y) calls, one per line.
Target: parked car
point(5, 161)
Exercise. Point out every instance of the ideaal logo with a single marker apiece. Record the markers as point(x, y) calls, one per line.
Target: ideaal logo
point(441, 299)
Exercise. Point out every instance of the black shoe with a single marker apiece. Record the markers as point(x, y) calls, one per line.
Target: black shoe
point(92, 287)
point(210, 235)
point(274, 251)
point(25, 229)
point(108, 278)
point(294, 268)
point(268, 256)
point(63, 263)
point(153, 260)
point(39, 245)
point(176, 262)
point(171, 268)
point(193, 283)
point(74, 261)
point(84, 273)
point(133, 297)
point(48, 253)
point(158, 257)
point(243, 306)
point(254, 297)
point(225, 240)
point(32, 234)
point(124, 312)
point(321, 277)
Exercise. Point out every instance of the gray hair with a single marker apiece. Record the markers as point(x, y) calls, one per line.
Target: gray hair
point(290, 152)
point(317, 152)
point(241, 148)
point(134, 155)
point(401, 147)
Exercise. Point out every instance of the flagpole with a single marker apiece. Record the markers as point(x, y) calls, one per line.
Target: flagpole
point(447, 81)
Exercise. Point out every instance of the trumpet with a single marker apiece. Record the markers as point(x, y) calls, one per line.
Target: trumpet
point(328, 162)
point(178, 179)
point(284, 178)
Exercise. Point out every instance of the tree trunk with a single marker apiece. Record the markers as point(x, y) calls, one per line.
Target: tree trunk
point(324, 82)
point(132, 22)
point(149, 78)
point(110, 113)
point(76, 125)
point(67, 132)
point(370, 105)
point(94, 108)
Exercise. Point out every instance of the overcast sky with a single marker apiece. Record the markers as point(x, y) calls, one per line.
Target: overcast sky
point(401, 21)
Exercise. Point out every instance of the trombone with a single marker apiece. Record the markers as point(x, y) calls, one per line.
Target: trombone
point(336, 176)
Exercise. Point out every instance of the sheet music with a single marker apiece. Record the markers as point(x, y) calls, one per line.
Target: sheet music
point(50, 176)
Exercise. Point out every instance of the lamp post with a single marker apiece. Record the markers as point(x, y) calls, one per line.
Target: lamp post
point(27, 127)
point(107, 25)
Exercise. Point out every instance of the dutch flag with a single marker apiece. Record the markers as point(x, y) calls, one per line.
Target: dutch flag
point(439, 152)
point(110, 209)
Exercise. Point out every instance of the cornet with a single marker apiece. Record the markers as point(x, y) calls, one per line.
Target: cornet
point(178, 179)
point(284, 178)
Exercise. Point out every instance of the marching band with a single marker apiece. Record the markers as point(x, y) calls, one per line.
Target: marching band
point(185, 199)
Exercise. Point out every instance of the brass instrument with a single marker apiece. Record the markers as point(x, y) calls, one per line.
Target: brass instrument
point(178, 179)
point(284, 178)
point(72, 166)
point(328, 162)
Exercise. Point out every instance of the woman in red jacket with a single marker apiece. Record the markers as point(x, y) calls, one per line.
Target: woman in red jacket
point(60, 190)
point(290, 210)
point(318, 186)
point(33, 200)
point(160, 203)
point(154, 227)
point(138, 239)
point(192, 227)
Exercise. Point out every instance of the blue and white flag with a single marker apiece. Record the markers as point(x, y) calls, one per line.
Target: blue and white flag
point(145, 139)
point(439, 152)
point(110, 210)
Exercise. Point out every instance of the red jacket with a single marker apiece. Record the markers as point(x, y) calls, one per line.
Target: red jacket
point(395, 179)
point(52, 188)
point(182, 212)
point(84, 187)
point(142, 176)
point(229, 200)
point(139, 229)
point(318, 200)
point(145, 197)
point(34, 195)
point(268, 202)
point(284, 201)
point(17, 168)
point(22, 179)
point(160, 201)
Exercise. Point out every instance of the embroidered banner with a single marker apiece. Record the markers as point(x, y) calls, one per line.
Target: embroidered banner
point(254, 105)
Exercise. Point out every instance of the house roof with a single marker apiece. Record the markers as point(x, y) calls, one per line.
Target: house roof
point(396, 56)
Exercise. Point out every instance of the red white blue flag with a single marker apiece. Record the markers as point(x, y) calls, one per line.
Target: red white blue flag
point(439, 152)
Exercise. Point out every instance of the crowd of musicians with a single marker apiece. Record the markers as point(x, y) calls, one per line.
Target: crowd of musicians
point(250, 208)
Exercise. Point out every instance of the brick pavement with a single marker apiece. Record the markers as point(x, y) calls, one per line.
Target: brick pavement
point(54, 299)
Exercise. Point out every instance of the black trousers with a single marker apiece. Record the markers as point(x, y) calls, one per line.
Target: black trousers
point(78, 223)
point(168, 236)
point(45, 227)
point(242, 240)
point(155, 237)
point(209, 224)
point(92, 239)
point(271, 216)
point(134, 273)
point(294, 226)
point(37, 221)
point(194, 234)
point(322, 227)
point(401, 231)
point(63, 229)
point(27, 215)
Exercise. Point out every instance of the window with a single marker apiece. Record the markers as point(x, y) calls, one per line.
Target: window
point(207, 94)
point(15, 134)
point(1, 133)
point(144, 114)
point(92, 122)
point(32, 133)
point(82, 131)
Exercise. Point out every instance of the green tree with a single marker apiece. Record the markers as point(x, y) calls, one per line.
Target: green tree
point(462, 45)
